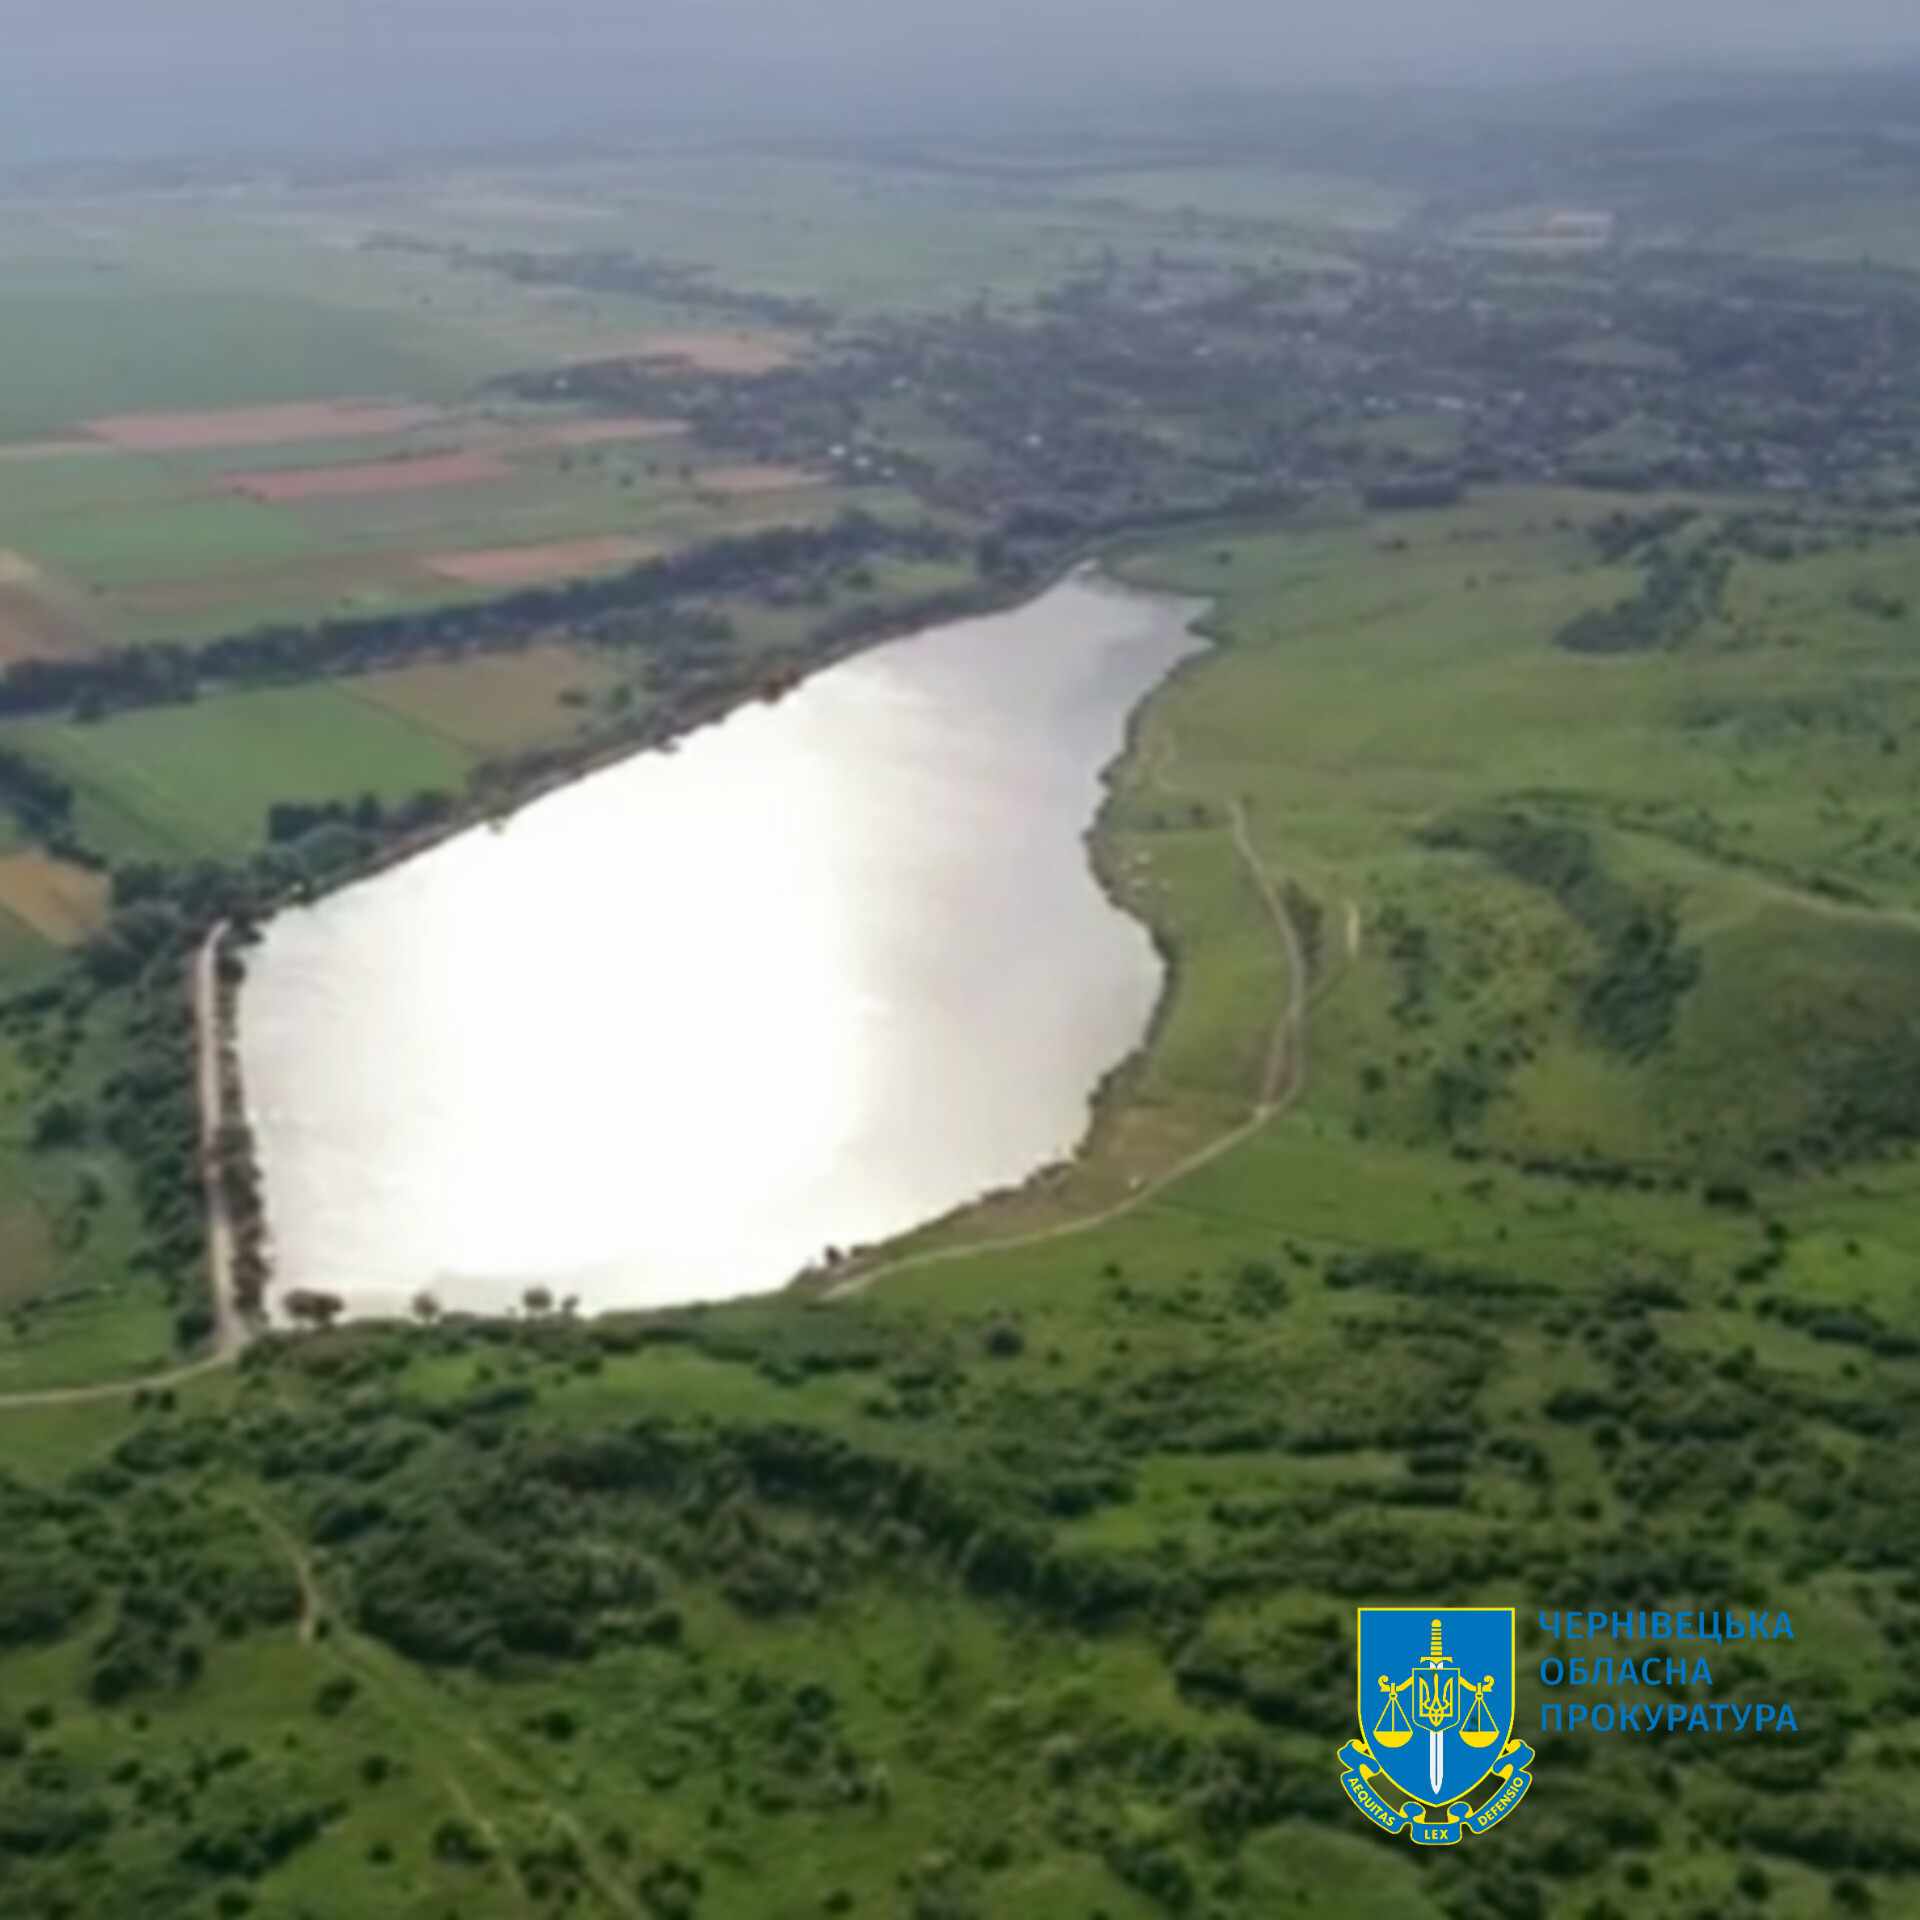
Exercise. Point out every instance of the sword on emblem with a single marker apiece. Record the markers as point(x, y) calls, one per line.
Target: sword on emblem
point(1434, 1699)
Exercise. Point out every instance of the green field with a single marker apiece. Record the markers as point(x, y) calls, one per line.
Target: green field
point(497, 703)
point(1019, 1583)
point(1265, 194)
point(1867, 226)
point(1729, 775)
point(74, 354)
point(198, 779)
point(867, 239)
point(187, 306)
point(182, 309)
point(71, 1305)
point(111, 309)
point(183, 540)
point(1557, 1255)
point(142, 547)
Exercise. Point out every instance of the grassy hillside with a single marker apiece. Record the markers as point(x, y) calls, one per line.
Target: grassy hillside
point(1573, 1274)
point(1516, 1201)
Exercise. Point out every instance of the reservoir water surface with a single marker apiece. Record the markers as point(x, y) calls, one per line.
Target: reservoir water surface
point(834, 966)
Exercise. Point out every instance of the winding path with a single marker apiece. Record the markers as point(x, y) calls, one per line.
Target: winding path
point(1283, 1079)
point(410, 1696)
point(1282, 1082)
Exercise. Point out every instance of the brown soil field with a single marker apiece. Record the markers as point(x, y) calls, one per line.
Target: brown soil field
point(61, 902)
point(258, 426)
point(592, 433)
point(50, 449)
point(317, 578)
point(550, 560)
point(32, 627)
point(16, 570)
point(497, 702)
point(373, 476)
point(740, 482)
point(713, 350)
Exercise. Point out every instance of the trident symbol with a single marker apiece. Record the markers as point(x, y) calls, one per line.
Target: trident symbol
point(1434, 1704)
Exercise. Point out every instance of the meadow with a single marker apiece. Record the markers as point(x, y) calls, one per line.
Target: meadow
point(1357, 712)
point(142, 783)
point(1559, 1255)
point(287, 296)
point(1020, 1582)
point(137, 545)
point(173, 309)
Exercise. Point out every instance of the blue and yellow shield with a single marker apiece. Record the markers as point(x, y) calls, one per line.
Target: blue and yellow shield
point(1436, 1696)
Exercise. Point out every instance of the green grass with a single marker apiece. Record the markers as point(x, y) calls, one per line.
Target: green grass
point(1259, 193)
point(129, 344)
point(80, 1337)
point(182, 540)
point(71, 1308)
point(542, 500)
point(1060, 1541)
point(1828, 224)
point(1394, 722)
point(864, 241)
point(52, 488)
point(78, 1305)
point(152, 547)
point(25, 955)
point(496, 702)
point(1025, 1759)
point(198, 779)
point(181, 308)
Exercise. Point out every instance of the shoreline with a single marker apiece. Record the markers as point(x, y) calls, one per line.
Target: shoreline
point(213, 999)
point(613, 753)
point(405, 847)
point(221, 1008)
point(864, 1264)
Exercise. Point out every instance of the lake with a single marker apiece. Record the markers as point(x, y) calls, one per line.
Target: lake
point(832, 967)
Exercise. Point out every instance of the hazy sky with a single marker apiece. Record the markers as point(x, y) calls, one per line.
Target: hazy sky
point(131, 73)
point(1309, 30)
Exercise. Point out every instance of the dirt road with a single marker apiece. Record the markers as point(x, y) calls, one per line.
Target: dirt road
point(1282, 1082)
point(231, 1327)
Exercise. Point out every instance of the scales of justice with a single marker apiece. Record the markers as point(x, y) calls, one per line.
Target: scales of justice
point(1440, 1693)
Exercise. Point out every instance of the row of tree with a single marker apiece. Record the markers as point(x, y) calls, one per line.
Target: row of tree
point(147, 675)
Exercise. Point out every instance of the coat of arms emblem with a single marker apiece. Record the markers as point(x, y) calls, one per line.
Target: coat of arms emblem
point(1436, 1709)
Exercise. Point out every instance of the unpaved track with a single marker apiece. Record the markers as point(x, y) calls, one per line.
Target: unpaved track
point(312, 1606)
point(1286, 1070)
point(231, 1328)
point(1282, 1082)
point(410, 1698)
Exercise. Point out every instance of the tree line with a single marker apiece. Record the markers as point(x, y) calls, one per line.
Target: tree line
point(137, 676)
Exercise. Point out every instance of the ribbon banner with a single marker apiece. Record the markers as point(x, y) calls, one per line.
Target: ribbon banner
point(1425, 1830)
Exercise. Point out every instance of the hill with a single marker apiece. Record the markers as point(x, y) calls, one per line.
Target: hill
point(1567, 1274)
